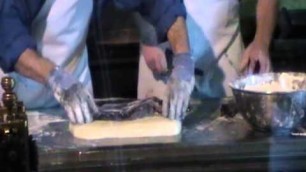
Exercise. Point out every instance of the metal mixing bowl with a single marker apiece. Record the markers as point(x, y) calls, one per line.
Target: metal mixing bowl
point(271, 109)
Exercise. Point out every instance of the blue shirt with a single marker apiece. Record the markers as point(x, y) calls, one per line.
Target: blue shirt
point(16, 17)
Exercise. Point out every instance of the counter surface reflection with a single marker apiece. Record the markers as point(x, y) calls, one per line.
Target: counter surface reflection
point(211, 140)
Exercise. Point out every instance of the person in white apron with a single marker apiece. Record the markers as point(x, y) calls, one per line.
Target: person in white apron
point(51, 28)
point(59, 31)
point(217, 48)
point(54, 53)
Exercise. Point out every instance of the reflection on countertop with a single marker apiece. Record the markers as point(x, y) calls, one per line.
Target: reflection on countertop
point(209, 141)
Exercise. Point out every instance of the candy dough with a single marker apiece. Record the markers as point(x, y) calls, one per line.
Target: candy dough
point(153, 126)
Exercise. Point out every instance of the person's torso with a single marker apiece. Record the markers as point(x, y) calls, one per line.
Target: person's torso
point(215, 41)
point(211, 25)
point(60, 30)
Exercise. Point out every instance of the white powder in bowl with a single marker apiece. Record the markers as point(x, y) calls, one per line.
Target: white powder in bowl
point(285, 83)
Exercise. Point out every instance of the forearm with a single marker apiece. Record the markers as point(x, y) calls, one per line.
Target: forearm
point(147, 32)
point(177, 34)
point(31, 65)
point(178, 37)
point(266, 17)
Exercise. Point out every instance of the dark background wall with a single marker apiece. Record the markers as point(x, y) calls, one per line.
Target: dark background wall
point(114, 51)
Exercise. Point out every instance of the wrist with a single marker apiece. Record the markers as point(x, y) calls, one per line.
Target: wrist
point(58, 77)
point(183, 66)
point(56, 70)
point(55, 75)
point(262, 41)
point(183, 59)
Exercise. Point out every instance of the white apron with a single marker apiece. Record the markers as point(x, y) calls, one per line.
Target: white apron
point(215, 41)
point(60, 30)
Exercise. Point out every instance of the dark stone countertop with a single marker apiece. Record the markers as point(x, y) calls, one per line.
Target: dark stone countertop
point(208, 142)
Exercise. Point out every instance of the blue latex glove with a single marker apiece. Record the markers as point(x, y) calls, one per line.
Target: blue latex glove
point(179, 87)
point(72, 95)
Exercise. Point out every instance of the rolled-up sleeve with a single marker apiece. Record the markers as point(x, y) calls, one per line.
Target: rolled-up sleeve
point(14, 34)
point(160, 13)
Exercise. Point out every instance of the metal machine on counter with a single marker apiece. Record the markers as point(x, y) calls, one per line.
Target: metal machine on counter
point(17, 149)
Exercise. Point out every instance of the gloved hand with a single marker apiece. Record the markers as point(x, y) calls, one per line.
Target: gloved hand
point(72, 95)
point(179, 87)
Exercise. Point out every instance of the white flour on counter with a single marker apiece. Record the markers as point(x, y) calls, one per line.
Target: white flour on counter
point(38, 121)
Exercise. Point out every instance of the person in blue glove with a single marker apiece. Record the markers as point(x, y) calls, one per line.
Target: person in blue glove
point(43, 48)
point(216, 50)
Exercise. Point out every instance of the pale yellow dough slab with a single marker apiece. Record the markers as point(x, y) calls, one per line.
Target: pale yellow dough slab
point(154, 126)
